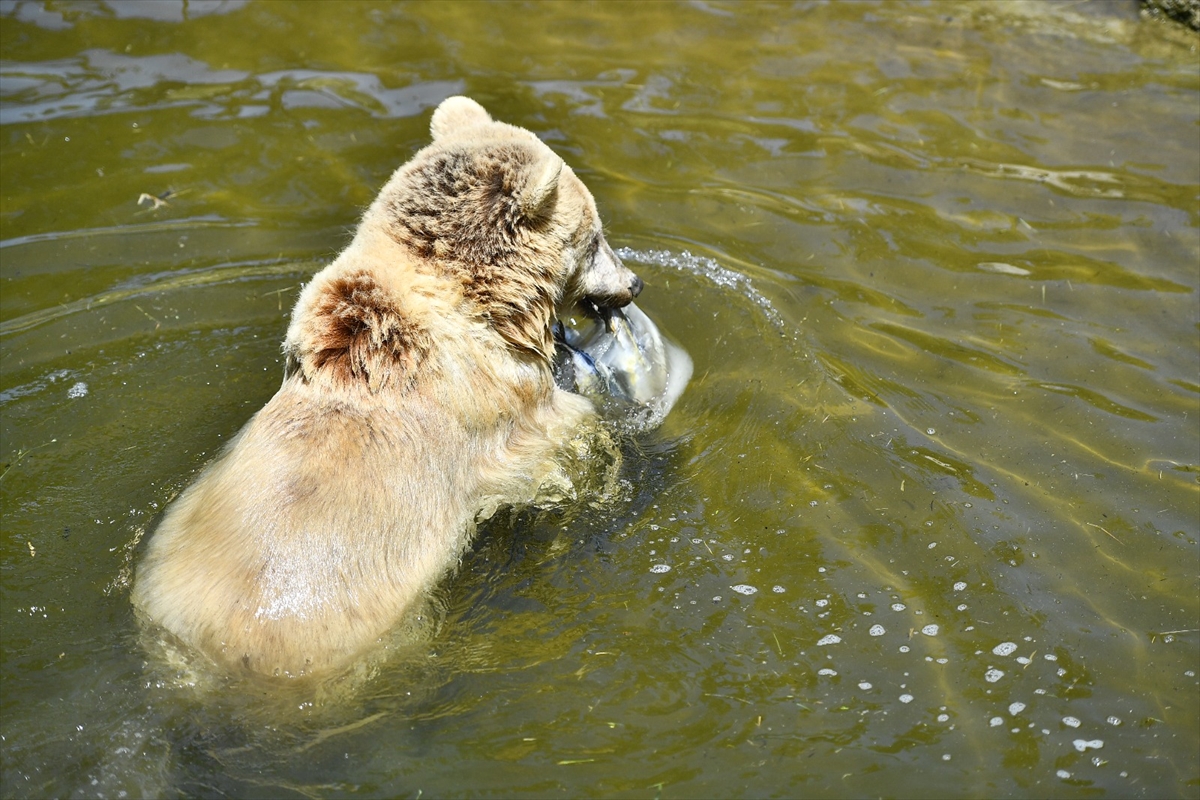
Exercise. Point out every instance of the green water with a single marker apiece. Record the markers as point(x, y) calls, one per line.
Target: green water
point(938, 266)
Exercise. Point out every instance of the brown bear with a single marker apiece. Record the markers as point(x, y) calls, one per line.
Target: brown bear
point(417, 398)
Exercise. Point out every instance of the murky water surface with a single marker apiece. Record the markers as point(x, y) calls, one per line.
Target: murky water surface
point(923, 524)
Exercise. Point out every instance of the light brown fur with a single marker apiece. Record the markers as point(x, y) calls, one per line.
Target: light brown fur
point(417, 398)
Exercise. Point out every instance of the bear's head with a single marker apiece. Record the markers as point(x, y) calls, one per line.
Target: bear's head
point(491, 207)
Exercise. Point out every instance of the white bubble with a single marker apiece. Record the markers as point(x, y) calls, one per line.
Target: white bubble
point(832, 638)
point(958, 587)
point(930, 630)
point(1050, 657)
point(1024, 660)
point(1114, 720)
point(743, 588)
point(945, 756)
point(1005, 648)
point(905, 698)
point(78, 390)
point(903, 648)
point(898, 606)
point(1083, 745)
point(827, 671)
point(996, 722)
point(661, 568)
point(931, 545)
point(961, 607)
point(930, 431)
point(943, 717)
point(1062, 773)
point(877, 630)
point(822, 603)
point(1016, 708)
point(1071, 722)
point(778, 589)
point(864, 685)
point(993, 675)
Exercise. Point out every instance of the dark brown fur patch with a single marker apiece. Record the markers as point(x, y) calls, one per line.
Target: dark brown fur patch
point(459, 210)
point(361, 336)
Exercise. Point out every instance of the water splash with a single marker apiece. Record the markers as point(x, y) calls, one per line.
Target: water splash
point(709, 269)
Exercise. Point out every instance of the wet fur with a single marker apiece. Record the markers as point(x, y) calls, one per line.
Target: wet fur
point(417, 399)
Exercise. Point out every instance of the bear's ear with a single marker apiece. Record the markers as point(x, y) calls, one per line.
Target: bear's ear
point(538, 187)
point(456, 114)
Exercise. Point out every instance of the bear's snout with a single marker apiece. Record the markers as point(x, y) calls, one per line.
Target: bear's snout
point(607, 283)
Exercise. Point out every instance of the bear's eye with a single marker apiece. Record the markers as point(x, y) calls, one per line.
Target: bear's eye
point(592, 248)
